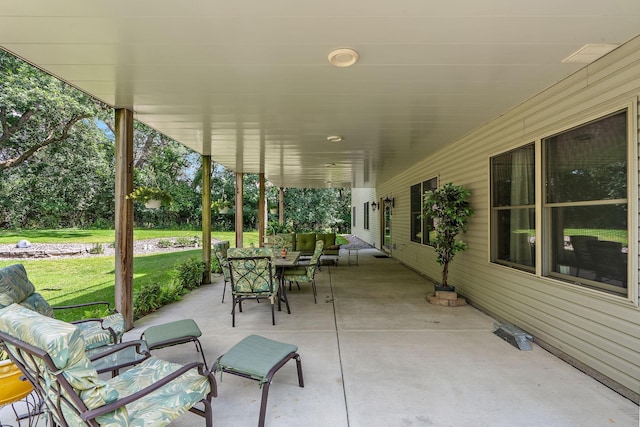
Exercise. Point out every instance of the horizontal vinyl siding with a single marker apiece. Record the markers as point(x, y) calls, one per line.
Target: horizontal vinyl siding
point(594, 329)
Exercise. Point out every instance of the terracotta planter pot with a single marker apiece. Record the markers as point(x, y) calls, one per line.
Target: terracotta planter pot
point(12, 388)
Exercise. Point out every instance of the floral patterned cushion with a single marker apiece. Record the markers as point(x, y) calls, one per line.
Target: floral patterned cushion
point(220, 250)
point(96, 335)
point(251, 276)
point(163, 405)
point(64, 343)
point(14, 285)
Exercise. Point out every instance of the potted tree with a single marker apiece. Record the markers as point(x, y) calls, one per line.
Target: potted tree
point(450, 210)
point(152, 197)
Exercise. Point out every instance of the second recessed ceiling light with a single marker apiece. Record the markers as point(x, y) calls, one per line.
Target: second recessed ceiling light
point(343, 57)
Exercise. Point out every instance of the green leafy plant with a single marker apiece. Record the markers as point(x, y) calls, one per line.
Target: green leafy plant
point(220, 204)
point(215, 266)
point(165, 243)
point(274, 227)
point(189, 273)
point(145, 194)
point(450, 210)
point(96, 249)
point(184, 241)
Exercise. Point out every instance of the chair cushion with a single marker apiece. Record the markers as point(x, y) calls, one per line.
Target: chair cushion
point(172, 331)
point(305, 242)
point(220, 250)
point(255, 356)
point(36, 302)
point(163, 405)
point(96, 335)
point(15, 286)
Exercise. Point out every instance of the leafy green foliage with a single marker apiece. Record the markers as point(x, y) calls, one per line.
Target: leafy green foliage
point(450, 210)
point(189, 274)
point(145, 194)
point(96, 249)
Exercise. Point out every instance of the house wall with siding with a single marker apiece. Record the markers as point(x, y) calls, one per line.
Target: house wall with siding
point(359, 196)
point(597, 332)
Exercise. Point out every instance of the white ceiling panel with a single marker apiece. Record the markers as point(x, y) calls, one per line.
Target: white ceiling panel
point(248, 81)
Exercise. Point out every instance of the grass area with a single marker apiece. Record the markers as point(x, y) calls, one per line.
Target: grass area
point(77, 280)
point(108, 236)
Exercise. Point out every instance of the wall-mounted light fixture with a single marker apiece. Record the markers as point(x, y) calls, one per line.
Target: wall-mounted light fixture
point(374, 206)
point(388, 201)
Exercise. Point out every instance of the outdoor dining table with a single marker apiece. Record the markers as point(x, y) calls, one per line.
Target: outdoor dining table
point(282, 263)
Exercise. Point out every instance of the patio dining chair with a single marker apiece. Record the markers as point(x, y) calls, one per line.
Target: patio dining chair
point(52, 356)
point(16, 288)
point(220, 250)
point(306, 273)
point(252, 277)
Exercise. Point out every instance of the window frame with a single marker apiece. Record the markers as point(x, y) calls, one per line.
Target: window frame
point(365, 214)
point(415, 216)
point(543, 224)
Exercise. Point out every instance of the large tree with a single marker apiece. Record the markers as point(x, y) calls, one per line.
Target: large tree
point(36, 110)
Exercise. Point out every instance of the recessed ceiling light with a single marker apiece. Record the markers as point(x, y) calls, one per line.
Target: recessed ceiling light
point(334, 138)
point(329, 165)
point(343, 57)
point(589, 53)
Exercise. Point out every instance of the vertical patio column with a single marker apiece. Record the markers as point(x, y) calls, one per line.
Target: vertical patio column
point(206, 219)
point(261, 210)
point(239, 215)
point(124, 215)
point(281, 206)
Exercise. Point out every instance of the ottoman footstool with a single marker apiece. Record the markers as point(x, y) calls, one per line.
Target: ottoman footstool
point(174, 333)
point(258, 358)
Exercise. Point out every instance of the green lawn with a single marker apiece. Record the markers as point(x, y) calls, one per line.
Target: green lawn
point(67, 281)
point(108, 236)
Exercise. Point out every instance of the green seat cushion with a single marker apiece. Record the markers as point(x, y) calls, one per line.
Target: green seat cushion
point(173, 331)
point(305, 242)
point(255, 356)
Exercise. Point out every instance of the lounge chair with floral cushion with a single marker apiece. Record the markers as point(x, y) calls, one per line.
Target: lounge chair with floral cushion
point(16, 288)
point(52, 355)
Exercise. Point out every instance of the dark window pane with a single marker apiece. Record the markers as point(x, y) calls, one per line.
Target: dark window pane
point(589, 162)
point(513, 176)
point(416, 210)
point(515, 236)
point(591, 243)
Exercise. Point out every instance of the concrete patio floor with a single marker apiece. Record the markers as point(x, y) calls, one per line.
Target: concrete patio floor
point(376, 354)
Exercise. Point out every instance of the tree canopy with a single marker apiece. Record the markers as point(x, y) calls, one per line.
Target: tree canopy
point(57, 166)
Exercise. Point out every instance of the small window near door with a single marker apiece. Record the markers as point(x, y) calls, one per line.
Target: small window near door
point(366, 215)
point(421, 228)
point(353, 217)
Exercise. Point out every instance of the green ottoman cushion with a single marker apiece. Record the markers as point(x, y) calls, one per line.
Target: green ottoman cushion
point(255, 356)
point(170, 332)
point(174, 333)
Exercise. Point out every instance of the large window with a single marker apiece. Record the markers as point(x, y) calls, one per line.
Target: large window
point(584, 208)
point(421, 228)
point(513, 208)
point(586, 203)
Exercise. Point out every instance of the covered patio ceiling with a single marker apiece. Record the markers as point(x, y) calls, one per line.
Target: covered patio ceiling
point(249, 83)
